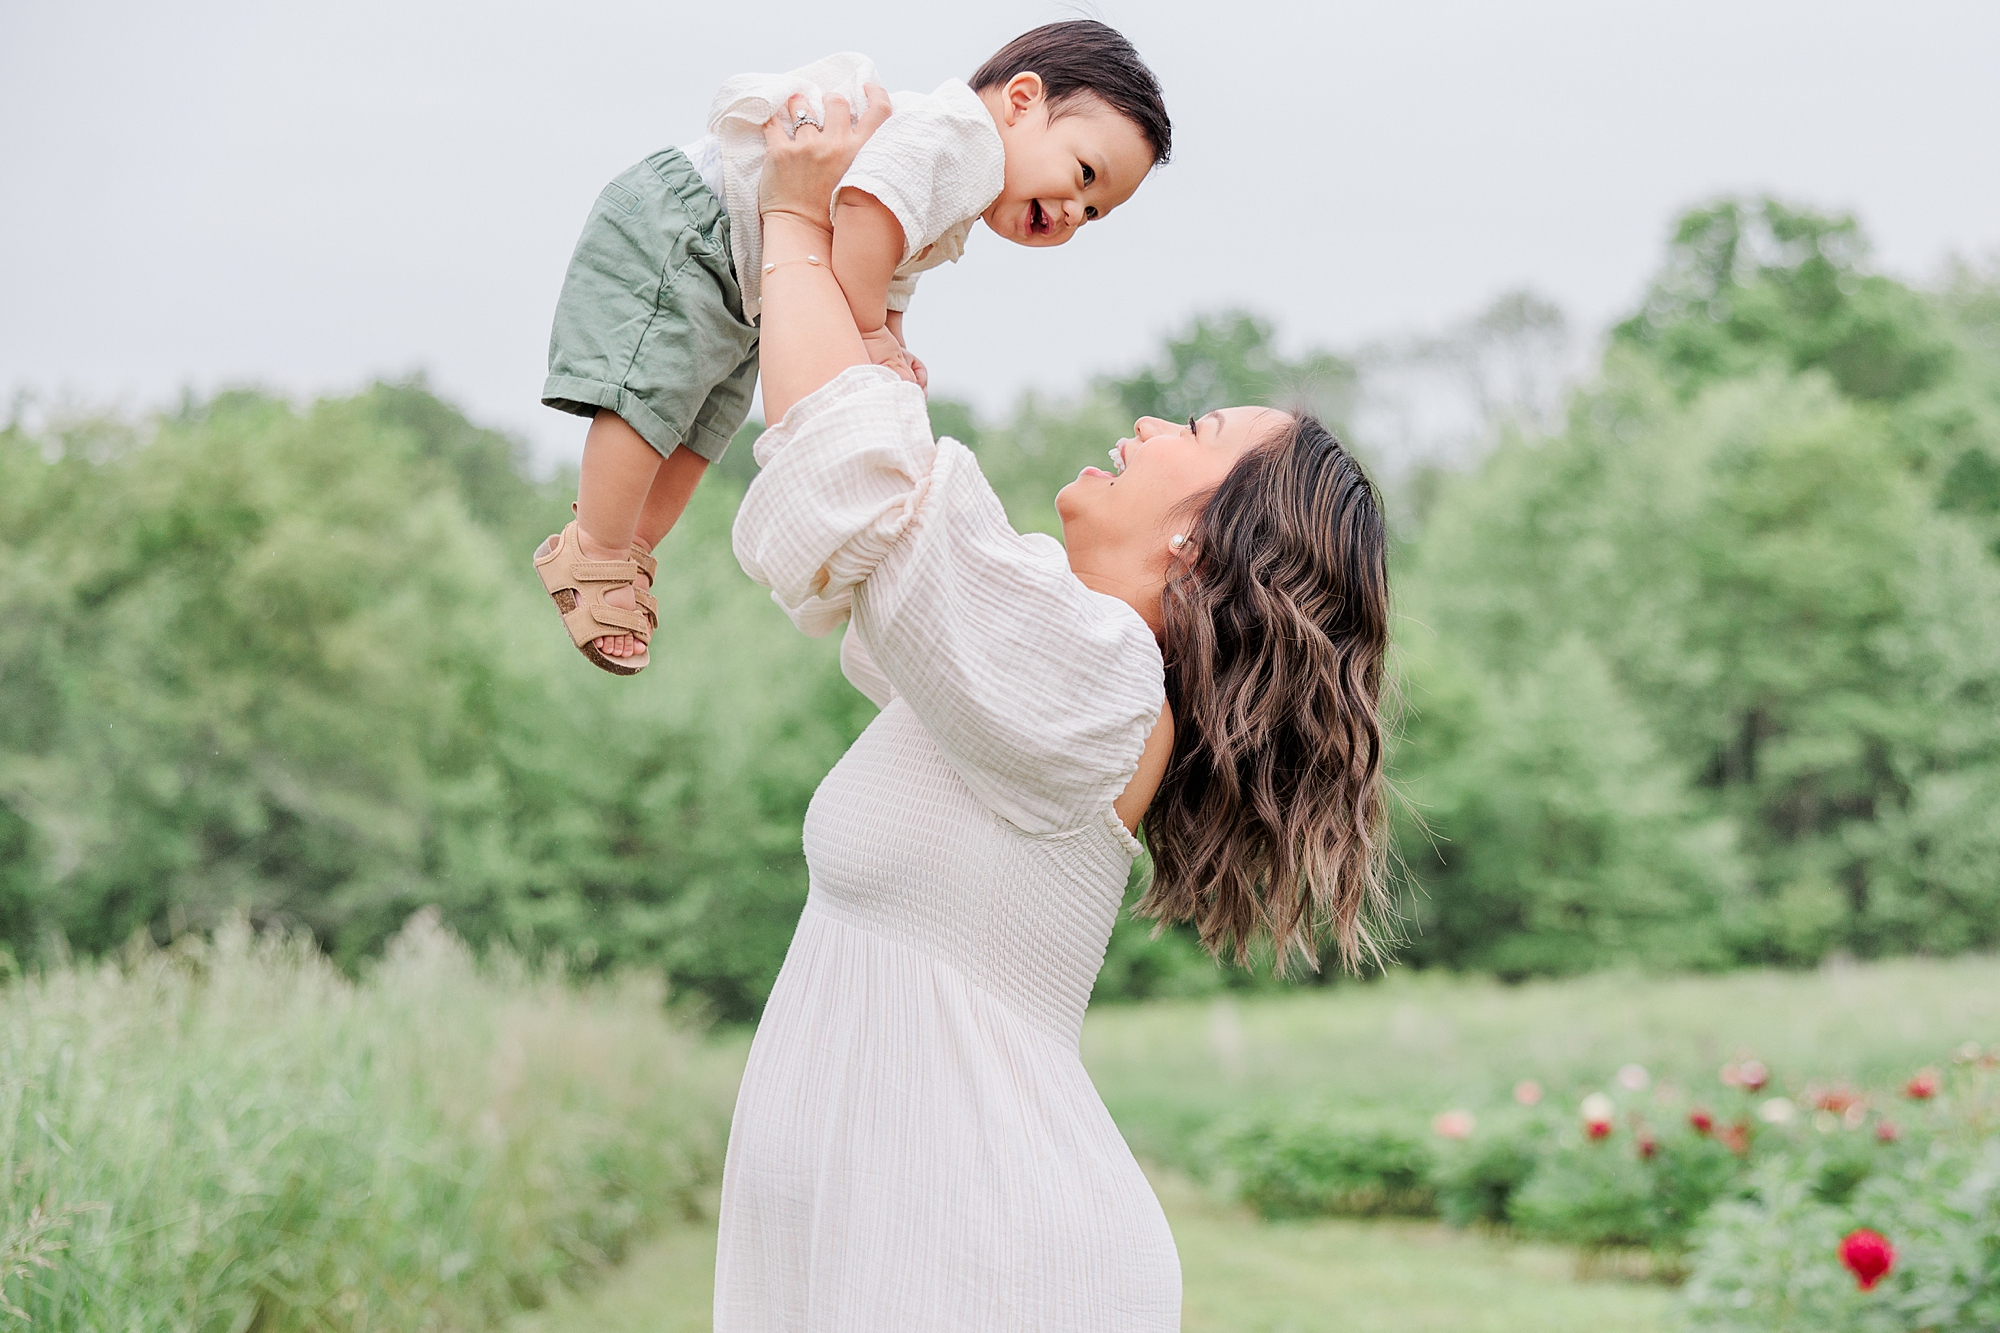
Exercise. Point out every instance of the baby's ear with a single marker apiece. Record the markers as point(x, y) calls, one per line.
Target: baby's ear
point(1021, 94)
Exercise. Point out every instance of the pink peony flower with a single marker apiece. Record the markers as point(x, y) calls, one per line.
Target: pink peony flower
point(1868, 1255)
point(1923, 1086)
point(1886, 1131)
point(1751, 1076)
point(1452, 1125)
point(1527, 1092)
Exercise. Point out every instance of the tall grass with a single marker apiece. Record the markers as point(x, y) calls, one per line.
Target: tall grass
point(233, 1136)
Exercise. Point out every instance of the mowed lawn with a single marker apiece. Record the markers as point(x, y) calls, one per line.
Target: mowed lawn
point(1418, 1043)
point(1240, 1276)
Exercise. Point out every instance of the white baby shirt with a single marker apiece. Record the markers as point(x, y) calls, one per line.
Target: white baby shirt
point(936, 163)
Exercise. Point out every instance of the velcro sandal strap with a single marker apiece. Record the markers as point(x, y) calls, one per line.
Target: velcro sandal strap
point(604, 571)
point(646, 563)
point(618, 618)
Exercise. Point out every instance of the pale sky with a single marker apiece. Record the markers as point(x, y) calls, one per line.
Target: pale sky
point(304, 196)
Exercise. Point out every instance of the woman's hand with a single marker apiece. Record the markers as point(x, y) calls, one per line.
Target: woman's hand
point(807, 333)
point(803, 162)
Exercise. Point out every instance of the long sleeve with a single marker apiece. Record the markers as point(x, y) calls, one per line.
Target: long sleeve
point(1039, 691)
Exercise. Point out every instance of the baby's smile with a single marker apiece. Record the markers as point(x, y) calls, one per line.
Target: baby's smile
point(1038, 219)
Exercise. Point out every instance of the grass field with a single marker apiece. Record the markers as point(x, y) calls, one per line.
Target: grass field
point(1417, 1043)
point(1424, 1043)
point(233, 1135)
point(1240, 1275)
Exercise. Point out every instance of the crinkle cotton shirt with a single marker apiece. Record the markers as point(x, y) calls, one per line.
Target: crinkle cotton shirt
point(936, 163)
point(916, 1146)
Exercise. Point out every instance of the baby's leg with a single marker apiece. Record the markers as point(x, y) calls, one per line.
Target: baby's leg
point(619, 474)
point(673, 484)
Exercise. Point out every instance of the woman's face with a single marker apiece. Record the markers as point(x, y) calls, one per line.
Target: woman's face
point(1132, 513)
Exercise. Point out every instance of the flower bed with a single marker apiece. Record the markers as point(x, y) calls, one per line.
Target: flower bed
point(1814, 1204)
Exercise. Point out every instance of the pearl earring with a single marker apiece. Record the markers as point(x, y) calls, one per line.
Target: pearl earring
point(1179, 540)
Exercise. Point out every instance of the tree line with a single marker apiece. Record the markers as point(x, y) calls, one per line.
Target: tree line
point(1704, 673)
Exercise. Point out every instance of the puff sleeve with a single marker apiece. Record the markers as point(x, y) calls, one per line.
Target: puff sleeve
point(1040, 692)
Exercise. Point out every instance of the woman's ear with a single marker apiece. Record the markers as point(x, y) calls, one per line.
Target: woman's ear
point(1021, 94)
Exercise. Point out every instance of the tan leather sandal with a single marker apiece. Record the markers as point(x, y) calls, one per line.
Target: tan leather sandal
point(578, 586)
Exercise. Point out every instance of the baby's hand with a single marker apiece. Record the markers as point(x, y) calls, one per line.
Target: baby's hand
point(884, 350)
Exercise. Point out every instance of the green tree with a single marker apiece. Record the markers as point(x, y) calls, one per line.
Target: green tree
point(293, 663)
point(1756, 282)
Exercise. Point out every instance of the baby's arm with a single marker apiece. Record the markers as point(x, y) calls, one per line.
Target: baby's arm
point(867, 246)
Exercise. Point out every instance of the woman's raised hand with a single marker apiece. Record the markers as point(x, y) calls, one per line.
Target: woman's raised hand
point(804, 161)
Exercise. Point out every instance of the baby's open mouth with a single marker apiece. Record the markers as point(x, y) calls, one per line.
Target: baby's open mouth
point(1038, 221)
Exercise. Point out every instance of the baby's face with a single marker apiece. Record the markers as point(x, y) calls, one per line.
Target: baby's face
point(1064, 172)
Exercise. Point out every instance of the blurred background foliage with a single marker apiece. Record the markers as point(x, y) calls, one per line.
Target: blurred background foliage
point(1699, 662)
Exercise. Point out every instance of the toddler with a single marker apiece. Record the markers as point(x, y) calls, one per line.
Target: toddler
point(655, 335)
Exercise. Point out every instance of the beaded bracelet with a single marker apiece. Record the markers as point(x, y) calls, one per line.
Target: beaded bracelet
point(809, 259)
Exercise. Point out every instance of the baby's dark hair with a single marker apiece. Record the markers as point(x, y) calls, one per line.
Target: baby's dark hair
point(1084, 56)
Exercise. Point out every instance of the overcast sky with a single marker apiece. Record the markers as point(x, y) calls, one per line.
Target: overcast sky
point(304, 196)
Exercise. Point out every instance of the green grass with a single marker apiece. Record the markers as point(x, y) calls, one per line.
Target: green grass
point(1416, 1043)
point(1240, 1276)
point(1424, 1043)
point(234, 1136)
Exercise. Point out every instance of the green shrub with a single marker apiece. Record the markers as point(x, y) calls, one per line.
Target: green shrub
point(1302, 1164)
point(1770, 1262)
point(1476, 1182)
point(1625, 1189)
point(1587, 1193)
point(233, 1135)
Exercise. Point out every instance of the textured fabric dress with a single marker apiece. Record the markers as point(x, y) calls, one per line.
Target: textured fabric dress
point(916, 1146)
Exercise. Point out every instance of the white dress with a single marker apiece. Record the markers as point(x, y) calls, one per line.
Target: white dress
point(916, 1146)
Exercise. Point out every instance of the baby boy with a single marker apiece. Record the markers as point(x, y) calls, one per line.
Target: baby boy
point(655, 334)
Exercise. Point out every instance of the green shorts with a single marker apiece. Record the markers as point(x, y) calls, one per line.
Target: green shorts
point(650, 323)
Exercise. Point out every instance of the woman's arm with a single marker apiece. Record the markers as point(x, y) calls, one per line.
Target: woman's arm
point(808, 333)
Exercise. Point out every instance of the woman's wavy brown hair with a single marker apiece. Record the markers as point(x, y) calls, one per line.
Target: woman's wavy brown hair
point(1270, 822)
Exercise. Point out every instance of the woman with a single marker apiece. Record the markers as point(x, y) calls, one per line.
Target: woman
point(916, 1145)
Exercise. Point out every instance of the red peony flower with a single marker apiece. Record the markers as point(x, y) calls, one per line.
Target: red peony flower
point(1649, 1147)
point(1868, 1255)
point(1923, 1086)
point(1701, 1121)
point(1736, 1137)
point(1886, 1131)
point(1836, 1100)
point(1597, 1112)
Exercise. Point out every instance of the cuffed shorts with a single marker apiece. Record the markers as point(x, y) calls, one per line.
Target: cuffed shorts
point(650, 323)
